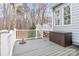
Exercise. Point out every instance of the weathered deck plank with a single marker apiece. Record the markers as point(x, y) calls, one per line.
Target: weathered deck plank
point(42, 47)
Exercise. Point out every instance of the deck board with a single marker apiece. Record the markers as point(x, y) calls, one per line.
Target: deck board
point(43, 47)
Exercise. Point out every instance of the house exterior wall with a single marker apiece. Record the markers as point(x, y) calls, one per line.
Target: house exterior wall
point(74, 27)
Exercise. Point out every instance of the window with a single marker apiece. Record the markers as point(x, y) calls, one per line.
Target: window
point(57, 17)
point(67, 16)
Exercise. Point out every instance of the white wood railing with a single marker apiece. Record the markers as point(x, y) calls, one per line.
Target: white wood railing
point(8, 39)
point(7, 42)
point(36, 32)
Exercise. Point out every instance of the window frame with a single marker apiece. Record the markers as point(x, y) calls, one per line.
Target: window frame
point(70, 5)
point(58, 17)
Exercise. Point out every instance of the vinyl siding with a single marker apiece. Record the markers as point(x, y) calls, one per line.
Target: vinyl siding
point(74, 27)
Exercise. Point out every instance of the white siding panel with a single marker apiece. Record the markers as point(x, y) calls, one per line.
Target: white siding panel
point(74, 28)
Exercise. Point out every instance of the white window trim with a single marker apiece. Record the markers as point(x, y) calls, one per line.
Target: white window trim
point(70, 15)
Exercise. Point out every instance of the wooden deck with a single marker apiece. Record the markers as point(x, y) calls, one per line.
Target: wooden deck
point(43, 47)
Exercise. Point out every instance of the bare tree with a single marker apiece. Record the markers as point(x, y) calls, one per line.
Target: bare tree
point(4, 20)
point(41, 11)
point(37, 13)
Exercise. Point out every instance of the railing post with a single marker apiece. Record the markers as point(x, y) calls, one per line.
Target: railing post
point(12, 40)
point(7, 42)
point(42, 33)
point(36, 34)
point(4, 44)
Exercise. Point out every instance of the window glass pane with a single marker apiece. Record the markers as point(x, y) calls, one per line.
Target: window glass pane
point(57, 18)
point(57, 22)
point(67, 15)
point(57, 13)
point(67, 10)
point(67, 20)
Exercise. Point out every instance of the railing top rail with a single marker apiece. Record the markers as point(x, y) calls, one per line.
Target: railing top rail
point(29, 30)
point(4, 31)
